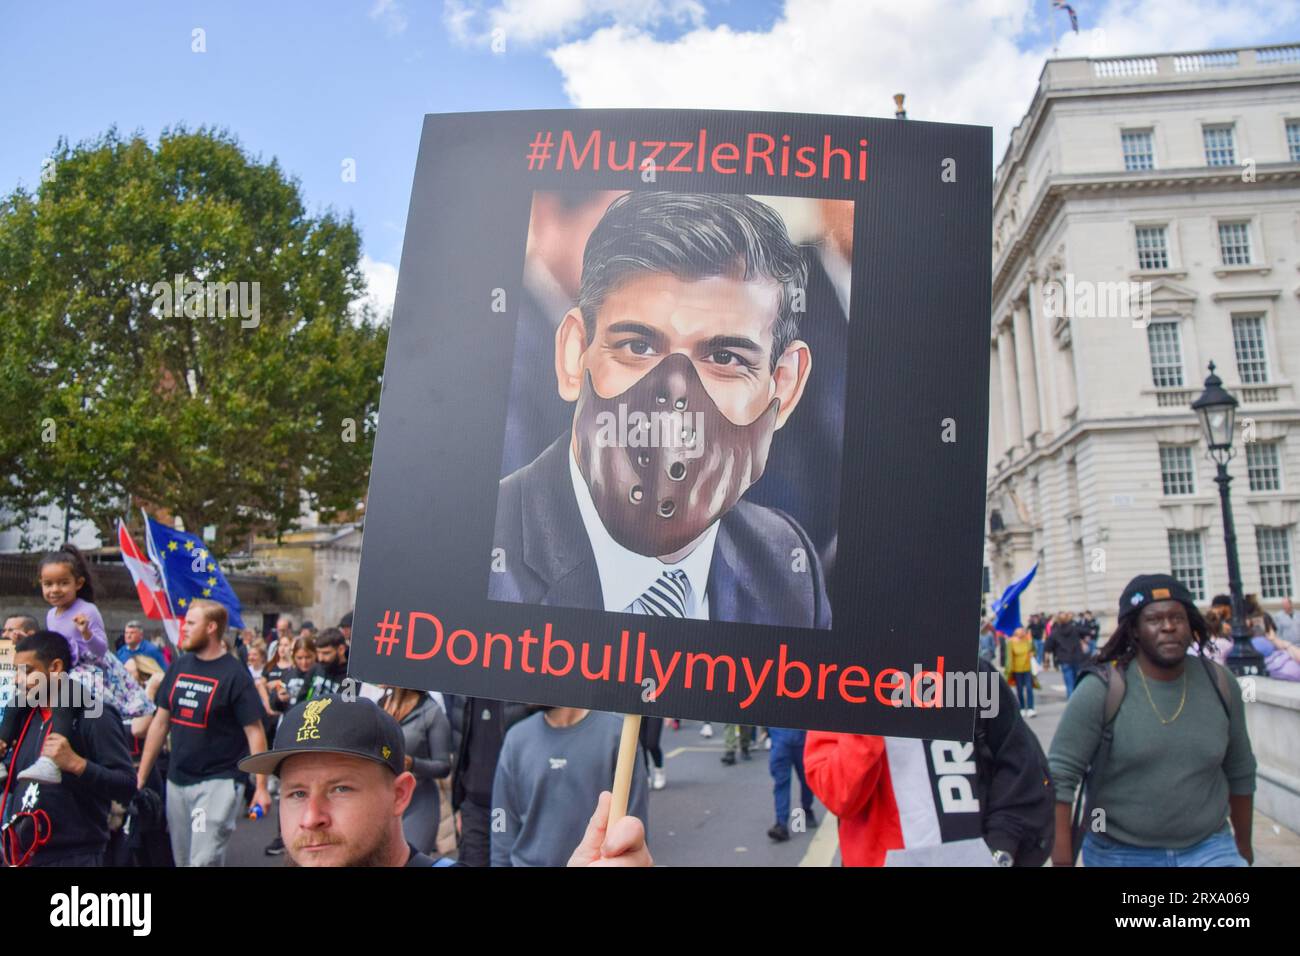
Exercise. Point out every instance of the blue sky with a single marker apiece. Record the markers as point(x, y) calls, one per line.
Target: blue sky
point(313, 84)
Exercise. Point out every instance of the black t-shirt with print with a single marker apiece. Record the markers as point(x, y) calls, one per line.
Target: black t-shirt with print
point(210, 703)
point(325, 680)
point(274, 672)
point(296, 684)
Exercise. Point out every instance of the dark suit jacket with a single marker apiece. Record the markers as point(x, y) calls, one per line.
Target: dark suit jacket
point(815, 431)
point(535, 412)
point(549, 561)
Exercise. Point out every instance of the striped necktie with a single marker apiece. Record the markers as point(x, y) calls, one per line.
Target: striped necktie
point(666, 597)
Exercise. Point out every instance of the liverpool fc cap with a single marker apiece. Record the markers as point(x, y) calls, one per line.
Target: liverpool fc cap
point(334, 725)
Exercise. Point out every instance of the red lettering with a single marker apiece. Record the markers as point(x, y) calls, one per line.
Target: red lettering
point(937, 674)
point(828, 152)
point(749, 676)
point(891, 685)
point(765, 155)
point(649, 161)
point(586, 672)
point(822, 671)
point(672, 164)
point(691, 658)
point(783, 667)
point(733, 155)
point(631, 157)
point(527, 640)
point(547, 646)
point(473, 643)
point(487, 649)
point(662, 683)
point(802, 160)
point(410, 635)
point(847, 681)
point(592, 145)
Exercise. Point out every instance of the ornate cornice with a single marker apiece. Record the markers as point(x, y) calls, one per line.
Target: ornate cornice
point(1057, 190)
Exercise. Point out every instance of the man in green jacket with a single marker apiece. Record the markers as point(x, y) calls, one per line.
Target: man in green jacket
point(1179, 762)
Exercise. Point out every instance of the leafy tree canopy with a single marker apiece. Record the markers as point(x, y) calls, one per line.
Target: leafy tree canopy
point(234, 409)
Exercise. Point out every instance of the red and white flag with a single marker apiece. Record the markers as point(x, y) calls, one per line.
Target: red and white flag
point(148, 584)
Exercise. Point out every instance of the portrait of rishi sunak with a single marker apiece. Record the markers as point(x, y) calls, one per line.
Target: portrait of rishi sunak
point(683, 361)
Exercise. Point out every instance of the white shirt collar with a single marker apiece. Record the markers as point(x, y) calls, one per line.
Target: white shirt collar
point(625, 575)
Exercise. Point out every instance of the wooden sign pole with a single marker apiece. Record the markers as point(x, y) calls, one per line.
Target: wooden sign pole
point(625, 767)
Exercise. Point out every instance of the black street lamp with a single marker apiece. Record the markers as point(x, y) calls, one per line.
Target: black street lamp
point(1217, 410)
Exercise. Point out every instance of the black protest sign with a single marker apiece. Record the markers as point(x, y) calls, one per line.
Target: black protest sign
point(684, 413)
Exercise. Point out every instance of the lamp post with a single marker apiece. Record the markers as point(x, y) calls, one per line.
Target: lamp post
point(1217, 411)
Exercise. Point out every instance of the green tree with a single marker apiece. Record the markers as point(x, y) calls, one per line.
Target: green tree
point(233, 421)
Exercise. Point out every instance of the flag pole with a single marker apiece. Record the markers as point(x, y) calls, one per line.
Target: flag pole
point(626, 765)
point(152, 551)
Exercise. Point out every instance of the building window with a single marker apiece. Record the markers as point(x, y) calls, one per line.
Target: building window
point(1293, 139)
point(1138, 154)
point(1153, 247)
point(1166, 344)
point(1187, 562)
point(1263, 466)
point(1177, 474)
point(1234, 243)
point(1248, 340)
point(1220, 147)
point(1274, 561)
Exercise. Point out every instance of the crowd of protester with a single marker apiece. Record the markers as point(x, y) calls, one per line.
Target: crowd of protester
point(1068, 642)
point(168, 747)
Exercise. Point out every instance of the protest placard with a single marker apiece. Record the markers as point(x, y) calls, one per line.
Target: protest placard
point(684, 413)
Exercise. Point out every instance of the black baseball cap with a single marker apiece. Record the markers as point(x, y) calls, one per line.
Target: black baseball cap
point(1146, 588)
point(334, 725)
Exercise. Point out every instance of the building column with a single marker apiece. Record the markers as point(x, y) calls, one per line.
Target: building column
point(1026, 374)
point(1069, 392)
point(1040, 325)
point(1010, 403)
point(997, 438)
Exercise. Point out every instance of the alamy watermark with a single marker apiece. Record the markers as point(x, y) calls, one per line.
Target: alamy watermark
point(198, 300)
point(33, 688)
point(930, 688)
point(666, 429)
point(1086, 299)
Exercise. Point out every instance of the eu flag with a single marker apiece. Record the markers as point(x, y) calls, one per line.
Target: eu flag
point(1006, 609)
point(189, 571)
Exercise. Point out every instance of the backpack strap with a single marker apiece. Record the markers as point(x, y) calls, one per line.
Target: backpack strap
point(1219, 678)
point(1116, 684)
point(1115, 689)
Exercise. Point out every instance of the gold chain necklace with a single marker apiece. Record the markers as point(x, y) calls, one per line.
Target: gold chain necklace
point(1153, 703)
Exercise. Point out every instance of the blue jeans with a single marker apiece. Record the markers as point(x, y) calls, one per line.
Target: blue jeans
point(1219, 849)
point(787, 755)
point(1070, 673)
point(1038, 650)
point(1025, 690)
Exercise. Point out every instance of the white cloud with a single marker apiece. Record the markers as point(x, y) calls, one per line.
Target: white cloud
point(1130, 26)
point(957, 62)
point(526, 22)
point(390, 14)
point(381, 287)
